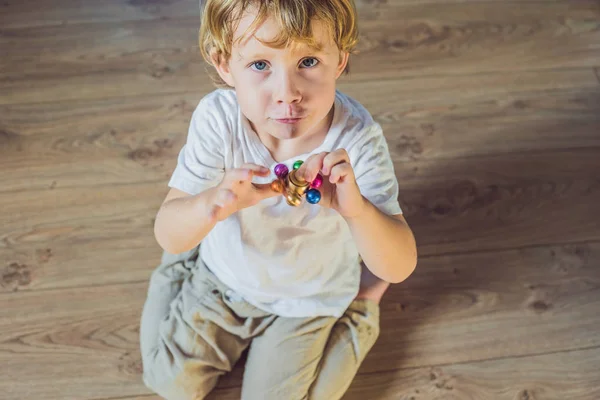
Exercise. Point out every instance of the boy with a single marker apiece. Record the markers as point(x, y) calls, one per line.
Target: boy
point(284, 282)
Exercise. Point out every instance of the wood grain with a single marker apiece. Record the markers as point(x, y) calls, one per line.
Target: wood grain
point(491, 110)
point(74, 344)
point(464, 205)
point(570, 375)
point(50, 265)
point(460, 308)
point(448, 39)
point(460, 205)
point(503, 201)
point(61, 12)
point(142, 57)
point(457, 309)
point(17, 14)
point(104, 142)
point(132, 140)
point(79, 216)
point(443, 117)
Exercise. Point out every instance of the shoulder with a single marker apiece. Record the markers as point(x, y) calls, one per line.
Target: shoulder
point(357, 124)
point(215, 112)
point(220, 105)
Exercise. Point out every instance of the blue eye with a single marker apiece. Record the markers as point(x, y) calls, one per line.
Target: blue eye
point(259, 65)
point(309, 62)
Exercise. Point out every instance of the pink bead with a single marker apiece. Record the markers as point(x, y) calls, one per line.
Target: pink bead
point(317, 182)
point(281, 170)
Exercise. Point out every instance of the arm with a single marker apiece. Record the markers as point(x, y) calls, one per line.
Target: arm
point(386, 243)
point(183, 220)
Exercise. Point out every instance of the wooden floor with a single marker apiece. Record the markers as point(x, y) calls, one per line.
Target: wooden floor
point(492, 112)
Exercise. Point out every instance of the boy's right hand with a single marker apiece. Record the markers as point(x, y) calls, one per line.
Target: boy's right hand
point(236, 191)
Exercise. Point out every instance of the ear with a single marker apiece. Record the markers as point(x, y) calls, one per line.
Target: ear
point(344, 56)
point(222, 67)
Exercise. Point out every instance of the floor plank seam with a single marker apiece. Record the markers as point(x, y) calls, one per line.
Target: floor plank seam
point(118, 23)
point(514, 248)
point(491, 359)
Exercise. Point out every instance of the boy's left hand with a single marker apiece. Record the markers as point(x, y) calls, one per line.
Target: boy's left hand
point(339, 190)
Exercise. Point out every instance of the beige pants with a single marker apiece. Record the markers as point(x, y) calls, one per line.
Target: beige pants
point(194, 329)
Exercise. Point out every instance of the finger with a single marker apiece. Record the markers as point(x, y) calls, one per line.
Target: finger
point(311, 167)
point(265, 190)
point(256, 169)
point(340, 173)
point(334, 158)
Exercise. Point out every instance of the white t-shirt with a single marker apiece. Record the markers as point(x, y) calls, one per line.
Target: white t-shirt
point(290, 261)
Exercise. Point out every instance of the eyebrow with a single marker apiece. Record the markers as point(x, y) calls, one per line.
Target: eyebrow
point(261, 54)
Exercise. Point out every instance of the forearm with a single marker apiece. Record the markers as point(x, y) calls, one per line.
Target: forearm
point(182, 223)
point(386, 244)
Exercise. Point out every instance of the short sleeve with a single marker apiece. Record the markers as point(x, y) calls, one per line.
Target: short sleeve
point(374, 171)
point(201, 161)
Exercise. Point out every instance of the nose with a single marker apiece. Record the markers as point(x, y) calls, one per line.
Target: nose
point(286, 89)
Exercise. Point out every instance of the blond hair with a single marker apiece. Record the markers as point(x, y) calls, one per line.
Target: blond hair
point(220, 18)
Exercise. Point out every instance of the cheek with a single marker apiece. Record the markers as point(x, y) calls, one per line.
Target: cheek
point(251, 93)
point(321, 80)
point(321, 88)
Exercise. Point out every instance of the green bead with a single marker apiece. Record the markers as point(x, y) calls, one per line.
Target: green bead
point(297, 164)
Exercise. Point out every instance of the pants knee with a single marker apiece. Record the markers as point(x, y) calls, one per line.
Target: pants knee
point(171, 383)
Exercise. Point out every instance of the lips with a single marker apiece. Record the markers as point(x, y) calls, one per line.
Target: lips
point(288, 120)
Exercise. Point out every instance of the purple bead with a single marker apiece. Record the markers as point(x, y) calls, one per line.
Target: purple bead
point(317, 182)
point(281, 170)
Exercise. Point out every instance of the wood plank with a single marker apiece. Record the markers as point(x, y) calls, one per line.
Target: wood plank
point(571, 375)
point(150, 57)
point(18, 14)
point(82, 342)
point(477, 306)
point(501, 201)
point(468, 204)
point(79, 216)
point(75, 62)
point(50, 265)
point(132, 140)
point(471, 38)
point(75, 344)
point(101, 142)
point(443, 117)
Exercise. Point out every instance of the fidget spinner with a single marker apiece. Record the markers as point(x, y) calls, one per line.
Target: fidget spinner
point(294, 187)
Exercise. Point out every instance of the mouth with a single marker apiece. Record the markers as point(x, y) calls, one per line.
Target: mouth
point(288, 120)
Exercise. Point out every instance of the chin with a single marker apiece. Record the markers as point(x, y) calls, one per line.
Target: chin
point(287, 132)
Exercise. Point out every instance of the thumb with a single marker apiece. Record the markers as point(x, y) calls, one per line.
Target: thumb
point(265, 190)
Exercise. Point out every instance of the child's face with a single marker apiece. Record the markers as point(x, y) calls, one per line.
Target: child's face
point(286, 93)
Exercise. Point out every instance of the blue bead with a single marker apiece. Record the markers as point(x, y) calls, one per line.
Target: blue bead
point(313, 196)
